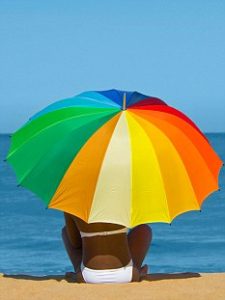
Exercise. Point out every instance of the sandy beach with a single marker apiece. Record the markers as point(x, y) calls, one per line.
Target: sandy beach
point(156, 286)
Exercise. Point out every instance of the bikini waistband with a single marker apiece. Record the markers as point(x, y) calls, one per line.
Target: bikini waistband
point(103, 233)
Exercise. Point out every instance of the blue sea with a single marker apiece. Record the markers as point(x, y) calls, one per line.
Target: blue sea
point(30, 235)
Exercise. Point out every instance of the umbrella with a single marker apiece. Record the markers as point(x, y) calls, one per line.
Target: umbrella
point(116, 157)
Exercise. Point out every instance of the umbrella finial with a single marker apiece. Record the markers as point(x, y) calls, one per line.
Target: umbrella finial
point(124, 101)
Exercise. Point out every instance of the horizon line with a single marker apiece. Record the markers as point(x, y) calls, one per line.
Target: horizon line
point(204, 132)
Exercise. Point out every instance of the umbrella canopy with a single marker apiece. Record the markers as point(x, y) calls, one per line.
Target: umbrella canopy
point(116, 157)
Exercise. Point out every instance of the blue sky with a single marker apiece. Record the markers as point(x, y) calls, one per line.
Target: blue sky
point(174, 50)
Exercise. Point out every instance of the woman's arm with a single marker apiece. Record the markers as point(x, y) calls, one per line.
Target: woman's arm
point(72, 242)
point(72, 231)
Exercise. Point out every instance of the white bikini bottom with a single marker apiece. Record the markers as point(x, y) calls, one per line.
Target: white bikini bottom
point(119, 275)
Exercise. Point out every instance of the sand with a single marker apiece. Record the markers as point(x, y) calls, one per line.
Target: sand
point(159, 286)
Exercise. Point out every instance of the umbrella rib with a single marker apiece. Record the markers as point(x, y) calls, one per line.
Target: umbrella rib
point(101, 167)
point(30, 171)
point(163, 183)
point(116, 117)
point(198, 204)
point(183, 117)
point(114, 104)
point(51, 125)
point(182, 132)
point(92, 100)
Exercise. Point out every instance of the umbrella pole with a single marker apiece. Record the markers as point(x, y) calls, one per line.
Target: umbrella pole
point(124, 101)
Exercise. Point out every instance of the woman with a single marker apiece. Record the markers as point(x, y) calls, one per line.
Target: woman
point(104, 252)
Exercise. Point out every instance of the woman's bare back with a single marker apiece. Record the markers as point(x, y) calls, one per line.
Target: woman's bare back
point(104, 251)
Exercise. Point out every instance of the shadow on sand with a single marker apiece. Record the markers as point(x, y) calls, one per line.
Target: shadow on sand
point(149, 277)
point(166, 276)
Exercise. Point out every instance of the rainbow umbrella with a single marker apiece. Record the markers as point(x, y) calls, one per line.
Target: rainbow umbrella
point(115, 156)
